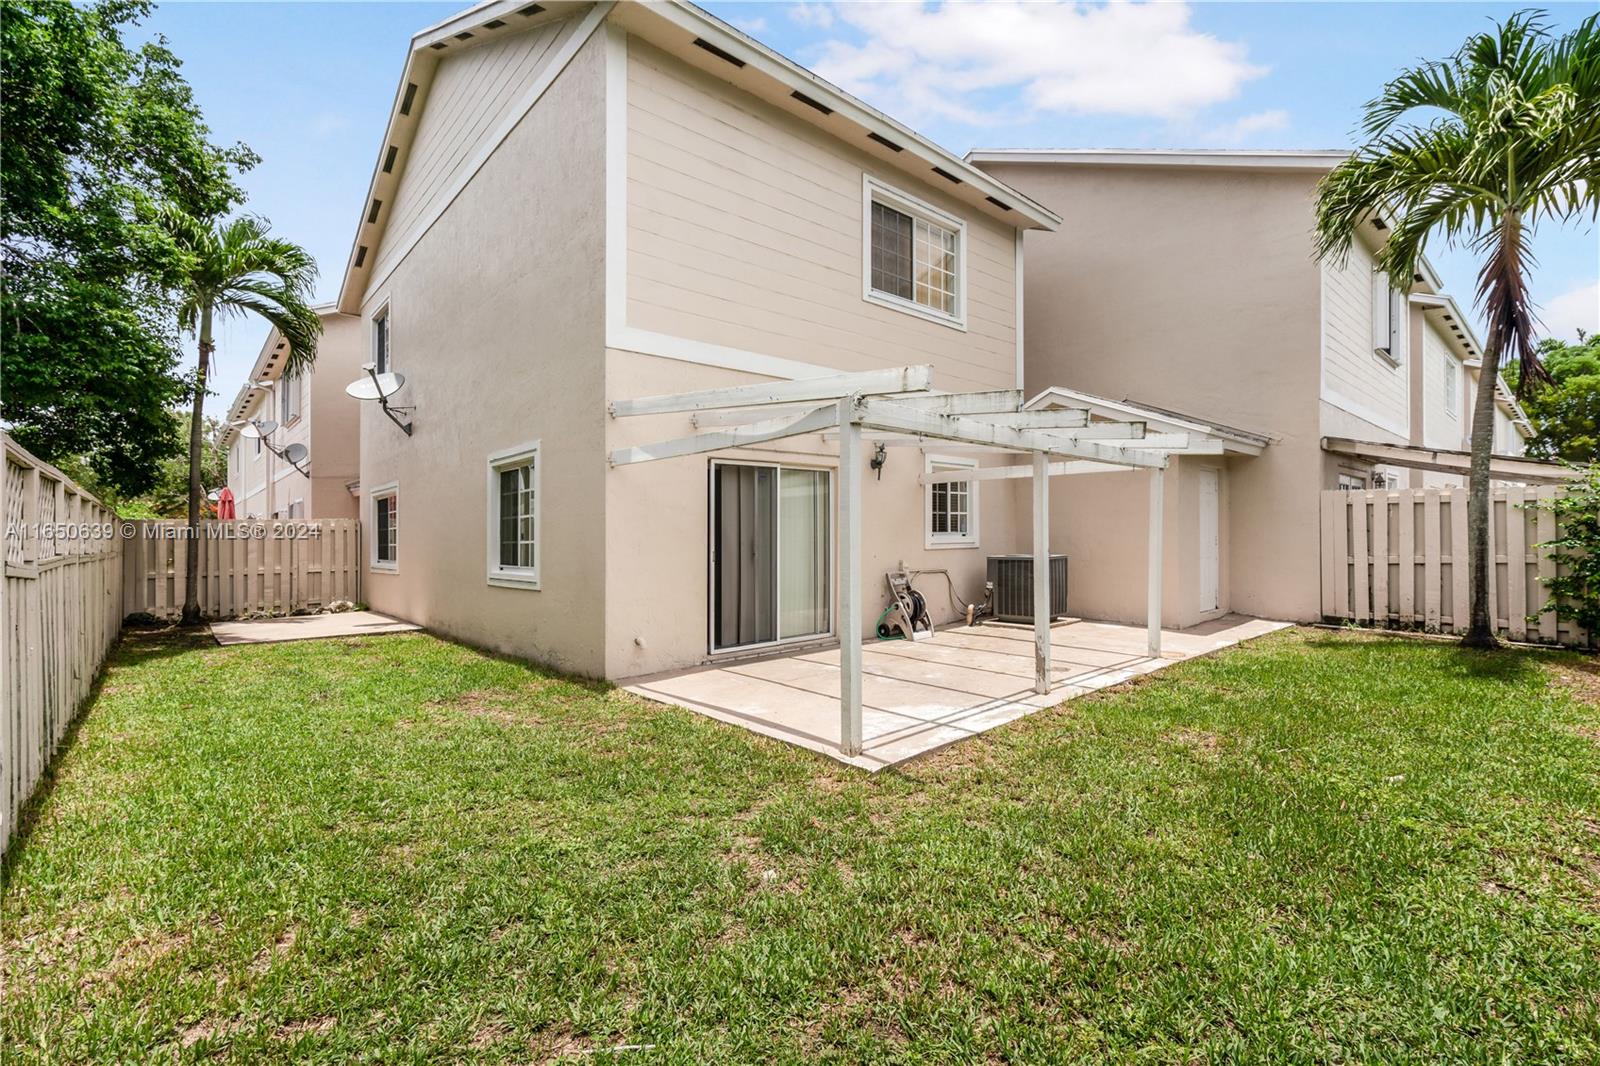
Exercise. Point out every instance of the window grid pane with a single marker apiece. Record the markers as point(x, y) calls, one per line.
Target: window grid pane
point(949, 506)
point(518, 548)
point(914, 259)
point(388, 516)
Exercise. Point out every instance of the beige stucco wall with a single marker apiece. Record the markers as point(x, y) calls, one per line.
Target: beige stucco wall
point(1194, 290)
point(745, 230)
point(657, 528)
point(335, 418)
point(498, 326)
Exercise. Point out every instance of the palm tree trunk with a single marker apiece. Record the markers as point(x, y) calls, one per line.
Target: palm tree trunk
point(1480, 629)
point(191, 549)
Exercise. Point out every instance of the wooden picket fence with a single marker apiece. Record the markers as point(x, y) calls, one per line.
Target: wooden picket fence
point(1398, 557)
point(248, 568)
point(63, 610)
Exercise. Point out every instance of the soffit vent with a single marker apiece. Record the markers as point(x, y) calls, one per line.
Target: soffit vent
point(409, 99)
point(726, 57)
point(886, 142)
point(946, 175)
point(815, 104)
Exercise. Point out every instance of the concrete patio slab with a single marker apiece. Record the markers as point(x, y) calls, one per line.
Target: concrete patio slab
point(308, 627)
point(920, 696)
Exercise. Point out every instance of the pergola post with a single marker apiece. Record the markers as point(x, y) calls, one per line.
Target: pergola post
point(849, 577)
point(1041, 573)
point(1153, 591)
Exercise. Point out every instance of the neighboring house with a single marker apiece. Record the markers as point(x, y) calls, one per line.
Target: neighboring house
point(576, 204)
point(1186, 280)
point(309, 409)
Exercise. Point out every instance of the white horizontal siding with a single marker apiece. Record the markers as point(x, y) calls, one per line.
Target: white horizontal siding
point(744, 230)
point(473, 92)
point(1354, 377)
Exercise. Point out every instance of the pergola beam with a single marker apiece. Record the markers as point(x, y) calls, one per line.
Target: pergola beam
point(1001, 473)
point(737, 437)
point(997, 402)
point(829, 388)
point(889, 415)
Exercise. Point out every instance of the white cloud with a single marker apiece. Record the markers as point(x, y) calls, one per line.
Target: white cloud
point(1573, 310)
point(1242, 129)
point(752, 26)
point(812, 14)
point(954, 60)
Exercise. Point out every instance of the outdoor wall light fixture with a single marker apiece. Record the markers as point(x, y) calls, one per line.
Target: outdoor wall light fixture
point(880, 456)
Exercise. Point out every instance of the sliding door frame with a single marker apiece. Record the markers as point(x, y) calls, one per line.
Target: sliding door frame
point(832, 584)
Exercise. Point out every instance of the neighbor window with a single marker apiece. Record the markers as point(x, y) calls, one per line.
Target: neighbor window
point(952, 505)
point(288, 399)
point(1452, 385)
point(386, 528)
point(514, 517)
point(914, 255)
point(380, 340)
point(1389, 319)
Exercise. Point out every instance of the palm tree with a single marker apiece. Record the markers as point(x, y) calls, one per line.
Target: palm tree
point(235, 268)
point(1479, 148)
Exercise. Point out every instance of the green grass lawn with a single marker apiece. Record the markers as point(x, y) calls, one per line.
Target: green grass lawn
point(1316, 847)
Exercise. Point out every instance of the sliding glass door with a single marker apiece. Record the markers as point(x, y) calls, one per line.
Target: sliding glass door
point(771, 554)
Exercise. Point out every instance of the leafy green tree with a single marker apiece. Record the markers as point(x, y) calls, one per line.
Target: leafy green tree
point(1479, 148)
point(1566, 412)
point(96, 139)
point(236, 268)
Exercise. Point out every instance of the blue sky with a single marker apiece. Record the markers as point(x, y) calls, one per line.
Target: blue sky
point(309, 86)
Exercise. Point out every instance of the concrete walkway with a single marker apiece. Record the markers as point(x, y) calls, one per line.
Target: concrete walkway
point(308, 627)
point(920, 696)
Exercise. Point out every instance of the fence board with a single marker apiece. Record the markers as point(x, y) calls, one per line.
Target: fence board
point(62, 602)
point(296, 565)
point(1386, 551)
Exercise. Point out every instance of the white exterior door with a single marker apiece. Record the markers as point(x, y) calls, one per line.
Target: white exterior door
point(1210, 541)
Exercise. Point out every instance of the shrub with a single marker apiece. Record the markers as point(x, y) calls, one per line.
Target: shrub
point(1575, 590)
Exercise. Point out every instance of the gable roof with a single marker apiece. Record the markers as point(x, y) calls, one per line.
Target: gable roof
point(697, 38)
point(267, 367)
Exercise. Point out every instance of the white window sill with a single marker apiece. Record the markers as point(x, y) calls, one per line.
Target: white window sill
point(873, 296)
point(384, 568)
point(513, 580)
point(1386, 358)
point(964, 542)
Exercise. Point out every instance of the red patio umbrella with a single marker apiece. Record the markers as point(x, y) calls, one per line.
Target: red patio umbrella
point(225, 503)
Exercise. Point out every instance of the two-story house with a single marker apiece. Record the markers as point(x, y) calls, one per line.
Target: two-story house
point(310, 410)
point(1186, 280)
point(579, 203)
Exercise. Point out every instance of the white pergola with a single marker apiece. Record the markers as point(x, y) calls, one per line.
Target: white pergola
point(1064, 433)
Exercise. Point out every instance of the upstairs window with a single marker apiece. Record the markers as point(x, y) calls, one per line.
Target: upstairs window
point(288, 399)
point(1390, 320)
point(1452, 386)
point(380, 340)
point(914, 256)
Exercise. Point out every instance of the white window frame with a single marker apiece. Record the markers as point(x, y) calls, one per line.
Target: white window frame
point(520, 577)
point(1452, 385)
point(1390, 320)
point(381, 312)
point(969, 539)
point(290, 399)
point(873, 190)
point(383, 492)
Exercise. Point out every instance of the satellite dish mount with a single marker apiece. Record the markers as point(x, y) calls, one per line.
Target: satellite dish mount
point(380, 387)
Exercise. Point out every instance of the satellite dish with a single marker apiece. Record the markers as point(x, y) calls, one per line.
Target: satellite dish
point(296, 453)
point(213, 495)
point(375, 386)
point(258, 427)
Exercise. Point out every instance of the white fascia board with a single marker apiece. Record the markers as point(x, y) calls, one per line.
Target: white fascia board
point(1260, 160)
point(866, 383)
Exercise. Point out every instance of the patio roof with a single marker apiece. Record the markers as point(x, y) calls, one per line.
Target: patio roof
point(1082, 433)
